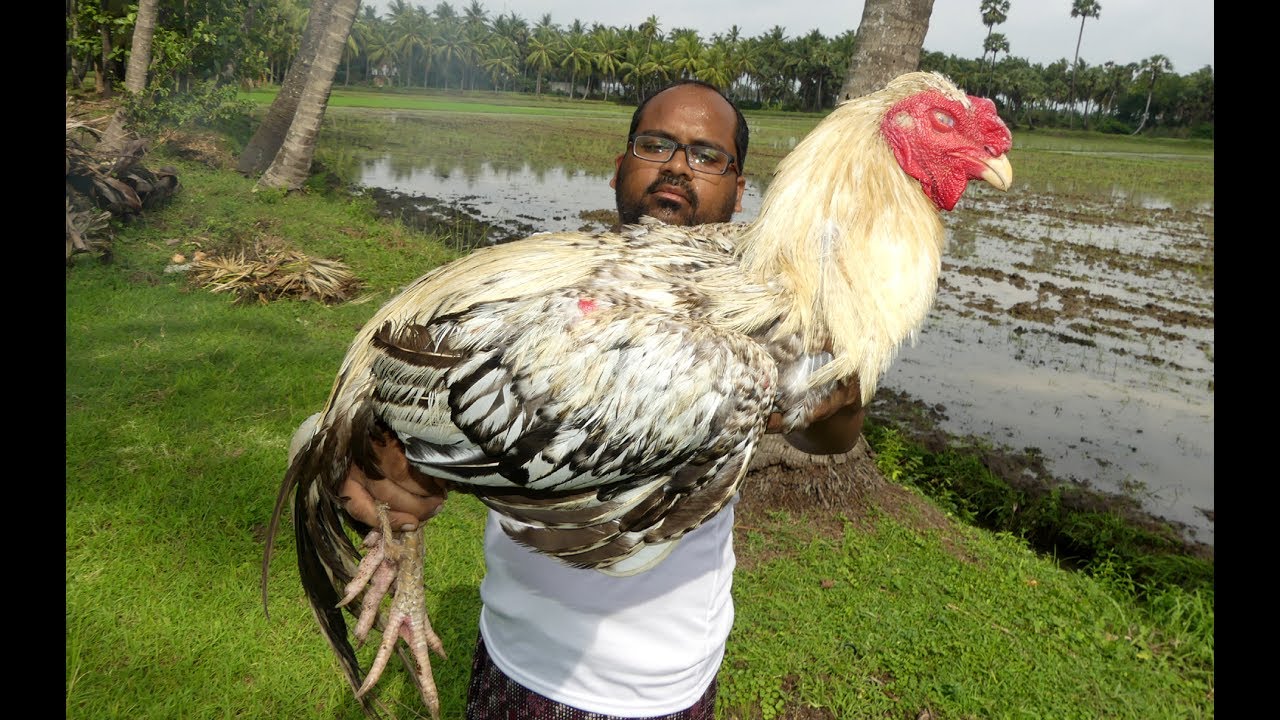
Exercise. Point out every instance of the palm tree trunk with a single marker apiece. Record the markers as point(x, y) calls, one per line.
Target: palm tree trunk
point(292, 164)
point(1146, 111)
point(78, 67)
point(135, 79)
point(269, 136)
point(102, 78)
point(888, 44)
point(1071, 111)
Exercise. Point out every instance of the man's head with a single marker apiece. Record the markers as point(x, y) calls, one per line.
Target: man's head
point(689, 112)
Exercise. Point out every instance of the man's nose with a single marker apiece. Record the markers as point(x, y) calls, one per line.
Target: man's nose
point(678, 164)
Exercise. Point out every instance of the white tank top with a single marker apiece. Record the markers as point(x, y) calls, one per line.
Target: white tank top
point(639, 645)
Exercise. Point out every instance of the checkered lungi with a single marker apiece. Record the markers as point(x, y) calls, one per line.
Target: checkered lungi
point(494, 696)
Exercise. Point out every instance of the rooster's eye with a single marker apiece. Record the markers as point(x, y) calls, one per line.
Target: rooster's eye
point(943, 121)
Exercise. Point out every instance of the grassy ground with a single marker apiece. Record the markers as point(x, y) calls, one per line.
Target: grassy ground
point(180, 404)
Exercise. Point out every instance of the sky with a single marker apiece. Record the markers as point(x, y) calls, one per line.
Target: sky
point(1040, 31)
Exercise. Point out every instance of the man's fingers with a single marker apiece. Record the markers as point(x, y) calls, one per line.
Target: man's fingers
point(410, 505)
point(405, 509)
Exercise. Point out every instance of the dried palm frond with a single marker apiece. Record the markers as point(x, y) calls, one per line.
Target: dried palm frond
point(84, 229)
point(271, 274)
point(118, 184)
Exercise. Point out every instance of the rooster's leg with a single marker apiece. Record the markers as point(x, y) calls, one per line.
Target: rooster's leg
point(396, 557)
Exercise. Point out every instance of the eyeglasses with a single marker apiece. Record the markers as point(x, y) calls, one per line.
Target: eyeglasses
point(700, 157)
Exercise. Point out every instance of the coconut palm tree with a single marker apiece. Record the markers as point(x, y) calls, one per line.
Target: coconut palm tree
point(1153, 67)
point(745, 66)
point(1083, 9)
point(773, 57)
point(292, 164)
point(890, 36)
point(577, 58)
point(414, 32)
point(135, 78)
point(357, 42)
point(1022, 86)
point(475, 31)
point(544, 54)
point(516, 29)
point(380, 47)
point(499, 57)
point(609, 54)
point(715, 67)
point(453, 46)
point(651, 31)
point(267, 139)
point(686, 52)
point(1114, 80)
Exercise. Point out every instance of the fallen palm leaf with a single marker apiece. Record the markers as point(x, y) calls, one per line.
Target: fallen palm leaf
point(273, 274)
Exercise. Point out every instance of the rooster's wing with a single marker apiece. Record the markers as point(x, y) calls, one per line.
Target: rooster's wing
point(594, 424)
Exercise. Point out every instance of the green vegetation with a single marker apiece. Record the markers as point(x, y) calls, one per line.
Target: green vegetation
point(1063, 520)
point(180, 404)
point(488, 49)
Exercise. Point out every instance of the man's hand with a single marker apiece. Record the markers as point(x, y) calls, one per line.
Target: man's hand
point(411, 496)
point(838, 423)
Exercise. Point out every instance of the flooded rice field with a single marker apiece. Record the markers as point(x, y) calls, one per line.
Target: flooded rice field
point(1083, 335)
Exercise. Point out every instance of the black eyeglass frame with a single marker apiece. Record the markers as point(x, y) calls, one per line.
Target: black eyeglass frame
point(733, 160)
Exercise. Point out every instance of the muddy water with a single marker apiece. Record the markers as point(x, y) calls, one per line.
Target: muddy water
point(1084, 333)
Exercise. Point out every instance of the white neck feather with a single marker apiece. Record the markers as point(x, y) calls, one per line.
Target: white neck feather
point(854, 240)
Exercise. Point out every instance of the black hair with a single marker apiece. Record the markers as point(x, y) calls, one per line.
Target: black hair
point(740, 132)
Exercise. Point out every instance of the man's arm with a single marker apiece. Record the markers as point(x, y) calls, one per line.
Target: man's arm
point(838, 428)
point(835, 434)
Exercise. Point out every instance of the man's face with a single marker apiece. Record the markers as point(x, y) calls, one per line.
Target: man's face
point(672, 191)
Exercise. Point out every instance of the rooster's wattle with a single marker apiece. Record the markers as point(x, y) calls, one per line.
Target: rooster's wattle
point(604, 392)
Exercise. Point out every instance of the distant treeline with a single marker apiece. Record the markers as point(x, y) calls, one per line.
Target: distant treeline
point(204, 43)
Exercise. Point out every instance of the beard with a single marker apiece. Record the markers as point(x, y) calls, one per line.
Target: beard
point(673, 213)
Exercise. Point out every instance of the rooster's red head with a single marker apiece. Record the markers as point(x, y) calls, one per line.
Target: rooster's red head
point(945, 142)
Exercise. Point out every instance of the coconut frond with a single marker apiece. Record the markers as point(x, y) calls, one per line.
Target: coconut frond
point(85, 229)
point(118, 184)
point(267, 274)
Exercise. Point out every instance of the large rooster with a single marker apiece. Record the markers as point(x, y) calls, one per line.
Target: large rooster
point(604, 392)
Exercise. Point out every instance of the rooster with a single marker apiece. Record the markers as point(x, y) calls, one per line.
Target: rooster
point(605, 392)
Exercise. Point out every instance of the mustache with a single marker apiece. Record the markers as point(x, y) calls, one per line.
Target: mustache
point(677, 182)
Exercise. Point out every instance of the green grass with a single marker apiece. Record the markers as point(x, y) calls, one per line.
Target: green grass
point(889, 621)
point(180, 405)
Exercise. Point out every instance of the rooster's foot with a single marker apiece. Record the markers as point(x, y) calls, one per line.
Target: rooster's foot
point(394, 558)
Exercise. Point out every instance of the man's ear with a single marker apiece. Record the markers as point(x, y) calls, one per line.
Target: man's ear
point(742, 186)
point(617, 165)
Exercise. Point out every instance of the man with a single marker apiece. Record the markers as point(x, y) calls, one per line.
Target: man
point(572, 644)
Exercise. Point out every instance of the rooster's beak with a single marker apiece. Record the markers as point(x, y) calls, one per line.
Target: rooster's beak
point(999, 172)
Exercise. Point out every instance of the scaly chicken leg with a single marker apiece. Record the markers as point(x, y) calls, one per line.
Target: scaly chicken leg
point(394, 559)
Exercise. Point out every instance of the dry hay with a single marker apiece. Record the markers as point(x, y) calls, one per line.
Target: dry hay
point(273, 273)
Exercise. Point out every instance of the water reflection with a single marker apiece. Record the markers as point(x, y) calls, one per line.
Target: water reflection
point(550, 198)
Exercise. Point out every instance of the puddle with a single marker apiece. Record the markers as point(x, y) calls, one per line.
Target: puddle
point(1085, 332)
point(515, 201)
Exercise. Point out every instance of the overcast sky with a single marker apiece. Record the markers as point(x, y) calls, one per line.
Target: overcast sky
point(1041, 31)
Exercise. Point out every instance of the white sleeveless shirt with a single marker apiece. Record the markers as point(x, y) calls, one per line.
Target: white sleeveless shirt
point(638, 645)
